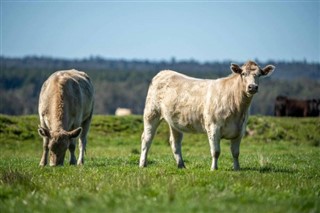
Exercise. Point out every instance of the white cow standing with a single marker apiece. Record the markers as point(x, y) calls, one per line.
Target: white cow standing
point(219, 108)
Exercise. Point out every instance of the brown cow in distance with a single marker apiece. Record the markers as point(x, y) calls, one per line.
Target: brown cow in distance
point(296, 108)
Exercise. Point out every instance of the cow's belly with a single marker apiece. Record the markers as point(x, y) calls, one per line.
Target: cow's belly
point(190, 128)
point(232, 130)
point(188, 123)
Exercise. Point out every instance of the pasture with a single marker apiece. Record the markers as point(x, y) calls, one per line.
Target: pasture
point(280, 160)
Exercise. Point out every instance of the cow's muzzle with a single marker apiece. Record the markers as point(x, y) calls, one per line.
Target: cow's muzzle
point(56, 160)
point(253, 88)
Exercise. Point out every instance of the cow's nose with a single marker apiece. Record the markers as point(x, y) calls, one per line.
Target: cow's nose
point(253, 88)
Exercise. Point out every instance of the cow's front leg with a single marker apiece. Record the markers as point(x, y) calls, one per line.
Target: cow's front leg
point(72, 148)
point(213, 133)
point(44, 158)
point(235, 150)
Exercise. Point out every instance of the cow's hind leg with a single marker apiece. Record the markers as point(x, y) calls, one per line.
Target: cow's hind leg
point(83, 140)
point(175, 142)
point(150, 127)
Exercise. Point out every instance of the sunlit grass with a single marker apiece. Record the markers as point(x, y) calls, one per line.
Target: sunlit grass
point(279, 173)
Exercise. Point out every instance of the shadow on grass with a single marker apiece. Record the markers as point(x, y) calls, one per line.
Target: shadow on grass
point(14, 177)
point(268, 169)
point(131, 161)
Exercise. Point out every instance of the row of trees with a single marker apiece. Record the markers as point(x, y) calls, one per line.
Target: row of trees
point(124, 83)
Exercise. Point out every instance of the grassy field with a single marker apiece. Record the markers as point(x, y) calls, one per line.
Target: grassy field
point(280, 161)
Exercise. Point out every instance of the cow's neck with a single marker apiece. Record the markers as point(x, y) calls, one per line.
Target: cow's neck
point(237, 93)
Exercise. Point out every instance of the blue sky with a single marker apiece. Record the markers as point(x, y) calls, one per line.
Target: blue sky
point(204, 31)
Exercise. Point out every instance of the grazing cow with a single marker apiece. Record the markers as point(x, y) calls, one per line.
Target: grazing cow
point(65, 110)
point(296, 108)
point(218, 108)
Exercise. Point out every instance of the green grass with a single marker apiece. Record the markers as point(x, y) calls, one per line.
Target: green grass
point(280, 170)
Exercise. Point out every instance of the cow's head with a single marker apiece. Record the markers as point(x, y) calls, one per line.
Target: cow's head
point(58, 143)
point(250, 73)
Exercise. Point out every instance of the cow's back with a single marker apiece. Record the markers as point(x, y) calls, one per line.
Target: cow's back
point(66, 96)
point(167, 84)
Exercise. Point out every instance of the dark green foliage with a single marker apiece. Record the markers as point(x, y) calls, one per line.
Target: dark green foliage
point(120, 83)
point(18, 128)
point(295, 130)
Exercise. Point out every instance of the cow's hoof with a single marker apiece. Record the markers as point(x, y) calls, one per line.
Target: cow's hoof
point(144, 165)
point(182, 166)
point(80, 163)
point(73, 162)
point(42, 164)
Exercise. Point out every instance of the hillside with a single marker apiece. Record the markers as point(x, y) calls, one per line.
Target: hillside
point(123, 83)
point(20, 130)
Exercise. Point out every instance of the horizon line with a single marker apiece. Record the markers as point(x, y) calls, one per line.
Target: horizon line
point(171, 59)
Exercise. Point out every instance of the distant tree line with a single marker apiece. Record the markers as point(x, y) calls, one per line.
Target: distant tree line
point(124, 83)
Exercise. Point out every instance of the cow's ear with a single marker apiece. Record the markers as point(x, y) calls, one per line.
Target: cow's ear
point(235, 68)
point(267, 71)
point(43, 132)
point(75, 133)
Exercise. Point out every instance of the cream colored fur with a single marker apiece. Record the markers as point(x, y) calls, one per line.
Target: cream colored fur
point(219, 108)
point(65, 104)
